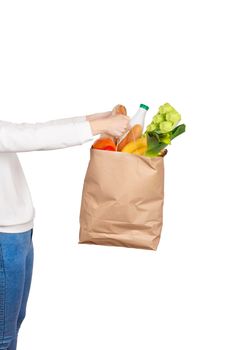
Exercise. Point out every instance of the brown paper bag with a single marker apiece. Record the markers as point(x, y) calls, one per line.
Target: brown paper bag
point(122, 200)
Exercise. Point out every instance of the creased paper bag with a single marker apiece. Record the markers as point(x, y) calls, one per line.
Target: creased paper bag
point(122, 200)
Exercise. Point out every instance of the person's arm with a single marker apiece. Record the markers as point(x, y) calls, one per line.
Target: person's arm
point(60, 133)
point(95, 116)
point(54, 134)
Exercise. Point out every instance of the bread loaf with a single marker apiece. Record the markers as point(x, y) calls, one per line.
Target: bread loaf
point(132, 135)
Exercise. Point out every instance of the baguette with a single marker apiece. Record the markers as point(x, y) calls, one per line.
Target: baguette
point(119, 109)
point(134, 134)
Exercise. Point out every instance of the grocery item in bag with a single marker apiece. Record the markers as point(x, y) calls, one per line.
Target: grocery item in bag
point(106, 144)
point(132, 136)
point(137, 125)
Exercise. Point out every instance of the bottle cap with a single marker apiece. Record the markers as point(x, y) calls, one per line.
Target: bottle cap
point(144, 106)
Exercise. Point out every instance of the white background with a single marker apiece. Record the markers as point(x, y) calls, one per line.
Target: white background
point(68, 58)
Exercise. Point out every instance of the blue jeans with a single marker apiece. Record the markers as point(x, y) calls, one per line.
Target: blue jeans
point(16, 263)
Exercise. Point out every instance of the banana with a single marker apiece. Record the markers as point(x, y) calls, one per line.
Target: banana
point(139, 146)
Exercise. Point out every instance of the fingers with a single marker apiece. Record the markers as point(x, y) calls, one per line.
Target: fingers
point(106, 114)
point(125, 129)
point(121, 116)
point(118, 133)
point(124, 117)
point(99, 116)
point(118, 125)
point(128, 126)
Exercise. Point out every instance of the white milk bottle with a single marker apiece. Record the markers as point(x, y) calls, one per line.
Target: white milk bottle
point(138, 118)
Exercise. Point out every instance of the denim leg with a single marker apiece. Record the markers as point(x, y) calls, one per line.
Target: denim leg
point(13, 344)
point(27, 285)
point(14, 250)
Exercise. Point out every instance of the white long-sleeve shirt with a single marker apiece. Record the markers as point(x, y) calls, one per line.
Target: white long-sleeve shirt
point(16, 207)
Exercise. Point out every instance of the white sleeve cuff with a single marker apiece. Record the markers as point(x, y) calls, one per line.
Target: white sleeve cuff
point(85, 131)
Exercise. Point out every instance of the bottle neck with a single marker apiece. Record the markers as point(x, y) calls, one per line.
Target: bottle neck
point(142, 111)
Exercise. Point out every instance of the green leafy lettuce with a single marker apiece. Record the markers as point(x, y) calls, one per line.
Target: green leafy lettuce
point(157, 142)
point(165, 120)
